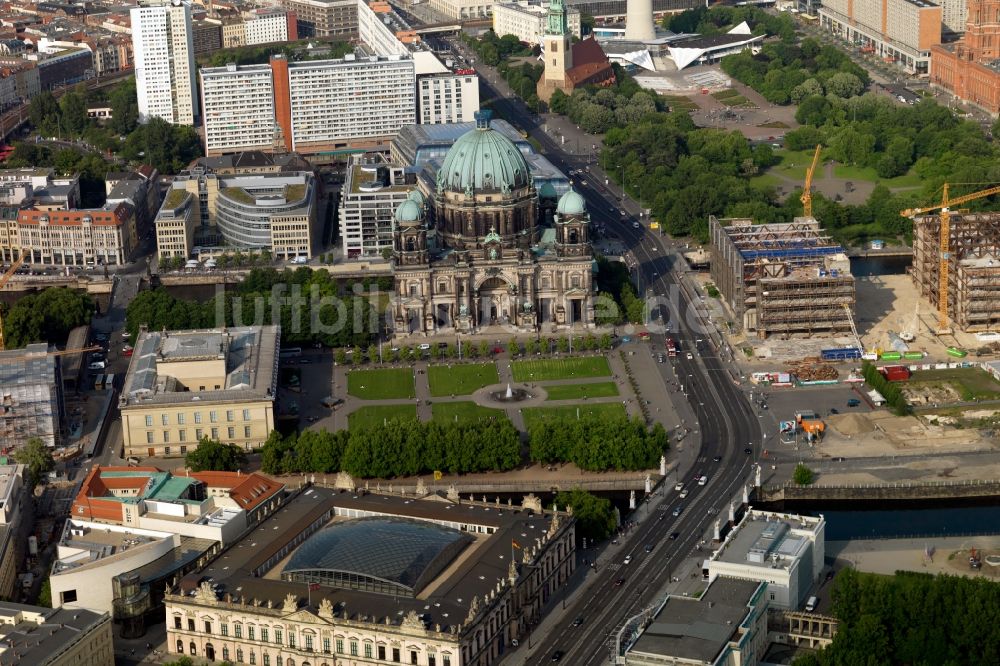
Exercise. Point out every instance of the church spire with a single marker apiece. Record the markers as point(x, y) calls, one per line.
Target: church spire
point(558, 24)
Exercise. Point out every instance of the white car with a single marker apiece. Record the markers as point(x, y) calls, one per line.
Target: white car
point(679, 486)
point(689, 356)
point(97, 365)
point(424, 346)
point(636, 225)
point(703, 480)
point(628, 559)
point(684, 493)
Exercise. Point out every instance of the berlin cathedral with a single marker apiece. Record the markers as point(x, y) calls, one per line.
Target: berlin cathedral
point(483, 248)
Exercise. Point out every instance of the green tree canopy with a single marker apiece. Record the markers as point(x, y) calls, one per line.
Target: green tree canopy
point(47, 316)
point(213, 455)
point(595, 516)
point(37, 458)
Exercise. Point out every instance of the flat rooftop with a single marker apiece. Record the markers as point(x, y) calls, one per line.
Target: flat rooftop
point(781, 240)
point(33, 635)
point(250, 356)
point(445, 600)
point(699, 629)
point(765, 543)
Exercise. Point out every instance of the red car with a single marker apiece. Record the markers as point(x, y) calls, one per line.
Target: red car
point(498, 350)
point(127, 353)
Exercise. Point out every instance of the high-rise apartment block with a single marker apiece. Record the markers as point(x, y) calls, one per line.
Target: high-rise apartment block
point(970, 68)
point(898, 31)
point(448, 98)
point(318, 105)
point(164, 60)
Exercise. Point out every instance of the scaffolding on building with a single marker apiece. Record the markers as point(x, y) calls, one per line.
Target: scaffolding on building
point(31, 398)
point(973, 280)
point(789, 278)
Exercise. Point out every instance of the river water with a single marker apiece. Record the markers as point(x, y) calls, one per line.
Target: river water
point(900, 523)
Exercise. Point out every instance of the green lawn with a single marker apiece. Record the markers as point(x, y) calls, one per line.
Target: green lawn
point(376, 414)
point(971, 383)
point(464, 411)
point(560, 368)
point(578, 391)
point(389, 383)
point(459, 379)
point(869, 174)
point(767, 180)
point(794, 163)
point(603, 409)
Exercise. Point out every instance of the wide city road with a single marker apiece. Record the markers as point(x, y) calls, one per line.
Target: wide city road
point(726, 420)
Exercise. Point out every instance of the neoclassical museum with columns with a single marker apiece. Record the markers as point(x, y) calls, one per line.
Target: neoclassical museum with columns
point(478, 246)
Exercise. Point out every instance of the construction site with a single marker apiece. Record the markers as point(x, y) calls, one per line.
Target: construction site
point(31, 397)
point(970, 295)
point(787, 279)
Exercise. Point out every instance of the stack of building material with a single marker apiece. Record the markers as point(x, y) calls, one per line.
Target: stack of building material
point(812, 369)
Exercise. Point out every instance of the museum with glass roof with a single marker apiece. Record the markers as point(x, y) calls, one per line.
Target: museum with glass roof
point(383, 555)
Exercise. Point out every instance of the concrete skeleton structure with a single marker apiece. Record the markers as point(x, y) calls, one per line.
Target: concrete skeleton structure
point(726, 626)
point(31, 397)
point(970, 68)
point(54, 637)
point(785, 551)
point(185, 385)
point(785, 278)
point(472, 249)
point(164, 61)
point(974, 268)
point(465, 580)
point(899, 31)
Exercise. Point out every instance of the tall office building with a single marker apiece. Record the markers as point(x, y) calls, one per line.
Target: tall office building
point(163, 50)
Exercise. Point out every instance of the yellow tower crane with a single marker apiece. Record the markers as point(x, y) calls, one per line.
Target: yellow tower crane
point(944, 242)
point(3, 281)
point(807, 197)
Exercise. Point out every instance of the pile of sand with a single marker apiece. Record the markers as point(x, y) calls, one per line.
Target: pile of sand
point(851, 424)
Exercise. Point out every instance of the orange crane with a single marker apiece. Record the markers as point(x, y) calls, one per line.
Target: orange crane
point(3, 281)
point(806, 198)
point(944, 242)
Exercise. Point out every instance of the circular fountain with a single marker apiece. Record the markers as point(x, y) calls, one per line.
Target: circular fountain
point(511, 395)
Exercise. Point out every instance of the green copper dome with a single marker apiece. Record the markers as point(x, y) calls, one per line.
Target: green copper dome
point(408, 211)
point(416, 196)
point(483, 159)
point(571, 203)
point(546, 191)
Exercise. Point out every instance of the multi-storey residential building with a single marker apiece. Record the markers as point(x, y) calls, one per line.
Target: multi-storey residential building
point(276, 212)
point(318, 105)
point(325, 18)
point(954, 14)
point(899, 31)
point(233, 373)
point(234, 32)
point(414, 604)
point(164, 60)
point(970, 68)
point(54, 636)
point(527, 19)
point(237, 108)
point(372, 191)
point(206, 35)
point(264, 26)
point(448, 98)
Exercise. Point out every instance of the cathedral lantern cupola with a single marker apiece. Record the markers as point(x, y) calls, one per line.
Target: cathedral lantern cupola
point(410, 235)
point(572, 225)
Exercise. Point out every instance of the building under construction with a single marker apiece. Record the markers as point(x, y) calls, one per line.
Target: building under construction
point(973, 268)
point(783, 279)
point(31, 397)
